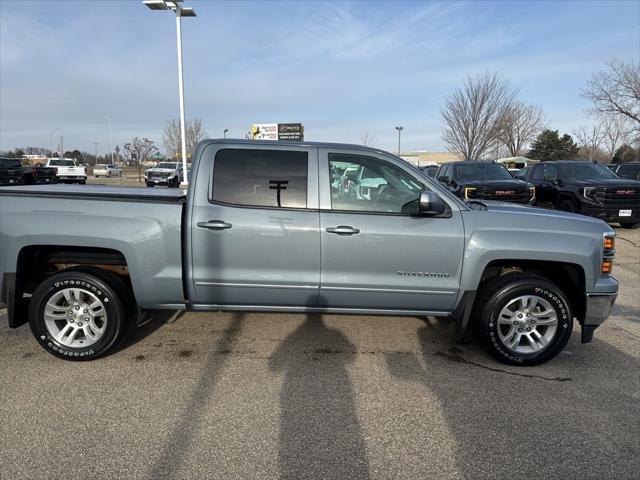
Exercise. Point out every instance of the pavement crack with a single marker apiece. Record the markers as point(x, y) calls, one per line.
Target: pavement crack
point(454, 356)
point(629, 241)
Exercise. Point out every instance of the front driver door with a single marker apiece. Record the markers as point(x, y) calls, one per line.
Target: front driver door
point(374, 253)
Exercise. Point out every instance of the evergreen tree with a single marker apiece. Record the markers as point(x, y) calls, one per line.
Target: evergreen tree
point(549, 145)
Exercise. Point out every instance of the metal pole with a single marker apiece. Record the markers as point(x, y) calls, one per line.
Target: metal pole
point(95, 144)
point(183, 140)
point(51, 140)
point(61, 148)
point(110, 136)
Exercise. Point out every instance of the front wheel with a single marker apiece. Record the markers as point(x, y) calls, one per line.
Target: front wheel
point(525, 319)
point(78, 315)
point(568, 205)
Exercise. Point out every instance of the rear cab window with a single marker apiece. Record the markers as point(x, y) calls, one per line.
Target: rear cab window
point(260, 178)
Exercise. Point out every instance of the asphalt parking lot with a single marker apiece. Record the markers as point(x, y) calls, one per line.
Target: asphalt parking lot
point(256, 396)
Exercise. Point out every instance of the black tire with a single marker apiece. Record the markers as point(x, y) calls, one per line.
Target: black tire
point(150, 184)
point(105, 286)
point(568, 205)
point(630, 224)
point(82, 182)
point(175, 183)
point(497, 294)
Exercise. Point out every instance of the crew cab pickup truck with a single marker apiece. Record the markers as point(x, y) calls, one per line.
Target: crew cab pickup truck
point(34, 174)
point(68, 170)
point(10, 171)
point(164, 173)
point(263, 227)
point(588, 188)
point(484, 180)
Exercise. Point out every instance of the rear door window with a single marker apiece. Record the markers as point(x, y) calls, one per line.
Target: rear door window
point(261, 178)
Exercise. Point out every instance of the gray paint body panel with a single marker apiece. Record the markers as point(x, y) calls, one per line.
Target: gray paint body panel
point(283, 259)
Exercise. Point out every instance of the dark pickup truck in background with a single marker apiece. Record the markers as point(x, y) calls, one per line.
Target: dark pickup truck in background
point(480, 180)
point(627, 170)
point(10, 171)
point(587, 188)
point(37, 174)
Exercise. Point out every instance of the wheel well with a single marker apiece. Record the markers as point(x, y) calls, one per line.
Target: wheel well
point(565, 196)
point(569, 277)
point(37, 262)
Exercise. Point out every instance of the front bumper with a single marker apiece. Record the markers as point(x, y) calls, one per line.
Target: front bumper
point(612, 214)
point(598, 308)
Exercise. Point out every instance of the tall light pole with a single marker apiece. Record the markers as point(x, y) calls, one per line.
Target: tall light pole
point(174, 5)
point(95, 144)
point(51, 140)
point(110, 136)
point(399, 131)
point(224, 134)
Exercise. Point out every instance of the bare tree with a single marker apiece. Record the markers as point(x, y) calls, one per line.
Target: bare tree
point(522, 124)
point(474, 114)
point(139, 150)
point(171, 137)
point(367, 138)
point(589, 139)
point(616, 92)
point(615, 134)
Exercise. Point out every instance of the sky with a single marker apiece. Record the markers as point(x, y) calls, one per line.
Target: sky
point(340, 68)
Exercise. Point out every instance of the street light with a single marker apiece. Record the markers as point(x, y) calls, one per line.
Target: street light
point(225, 132)
point(110, 136)
point(95, 144)
point(399, 130)
point(174, 5)
point(51, 140)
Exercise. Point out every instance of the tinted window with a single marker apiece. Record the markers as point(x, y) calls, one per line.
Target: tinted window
point(263, 178)
point(9, 163)
point(480, 170)
point(586, 171)
point(62, 163)
point(629, 171)
point(522, 174)
point(538, 170)
point(550, 173)
point(371, 185)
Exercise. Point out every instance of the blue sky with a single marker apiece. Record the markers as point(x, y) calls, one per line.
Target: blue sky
point(339, 67)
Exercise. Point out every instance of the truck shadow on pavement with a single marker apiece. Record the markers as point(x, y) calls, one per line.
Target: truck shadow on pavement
point(179, 441)
point(320, 435)
point(152, 320)
point(515, 422)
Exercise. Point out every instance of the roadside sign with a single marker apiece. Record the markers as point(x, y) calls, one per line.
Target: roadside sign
point(291, 131)
point(277, 131)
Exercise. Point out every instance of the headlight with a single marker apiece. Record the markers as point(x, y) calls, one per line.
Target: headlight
point(469, 192)
point(590, 194)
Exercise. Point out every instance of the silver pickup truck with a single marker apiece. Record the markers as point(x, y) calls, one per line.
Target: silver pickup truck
point(267, 226)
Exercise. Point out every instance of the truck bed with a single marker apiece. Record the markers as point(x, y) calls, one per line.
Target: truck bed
point(141, 224)
point(98, 192)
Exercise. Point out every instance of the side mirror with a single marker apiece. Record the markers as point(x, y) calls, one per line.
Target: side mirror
point(431, 204)
point(444, 179)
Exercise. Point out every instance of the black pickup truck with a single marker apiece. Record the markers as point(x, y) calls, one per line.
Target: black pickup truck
point(484, 180)
point(10, 171)
point(588, 188)
point(37, 174)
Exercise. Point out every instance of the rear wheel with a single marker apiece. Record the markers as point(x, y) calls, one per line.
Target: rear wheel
point(79, 315)
point(525, 319)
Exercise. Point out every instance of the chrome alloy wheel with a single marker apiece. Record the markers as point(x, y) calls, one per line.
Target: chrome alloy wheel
point(75, 317)
point(527, 324)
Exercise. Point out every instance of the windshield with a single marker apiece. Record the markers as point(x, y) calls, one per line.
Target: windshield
point(481, 171)
point(62, 163)
point(167, 165)
point(629, 171)
point(586, 171)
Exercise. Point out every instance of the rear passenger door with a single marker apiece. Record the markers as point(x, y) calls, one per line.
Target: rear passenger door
point(255, 232)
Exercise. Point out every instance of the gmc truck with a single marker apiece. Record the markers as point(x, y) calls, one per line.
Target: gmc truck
point(264, 226)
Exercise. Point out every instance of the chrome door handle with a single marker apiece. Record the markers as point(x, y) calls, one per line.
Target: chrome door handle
point(343, 230)
point(214, 225)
